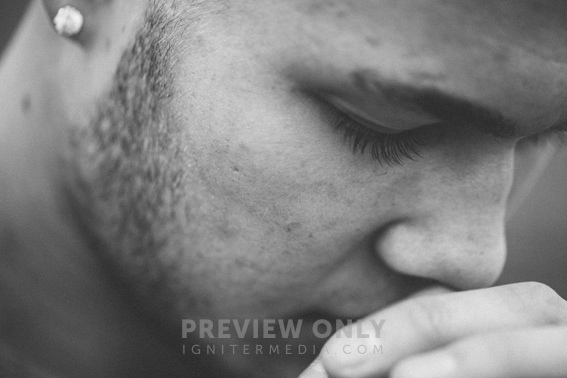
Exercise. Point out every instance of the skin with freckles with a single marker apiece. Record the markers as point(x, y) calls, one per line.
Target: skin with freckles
point(199, 157)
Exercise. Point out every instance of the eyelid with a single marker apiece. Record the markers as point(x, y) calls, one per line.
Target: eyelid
point(379, 115)
point(389, 148)
point(359, 116)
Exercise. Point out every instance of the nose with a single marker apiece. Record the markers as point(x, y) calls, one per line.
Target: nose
point(456, 233)
point(462, 256)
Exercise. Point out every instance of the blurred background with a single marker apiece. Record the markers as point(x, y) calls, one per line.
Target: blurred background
point(537, 232)
point(10, 12)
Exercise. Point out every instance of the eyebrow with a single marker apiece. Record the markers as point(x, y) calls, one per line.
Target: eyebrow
point(446, 107)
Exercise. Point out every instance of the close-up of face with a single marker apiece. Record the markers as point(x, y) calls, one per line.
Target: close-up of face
point(318, 158)
point(307, 159)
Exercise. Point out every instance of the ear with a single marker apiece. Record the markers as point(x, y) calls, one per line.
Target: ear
point(69, 13)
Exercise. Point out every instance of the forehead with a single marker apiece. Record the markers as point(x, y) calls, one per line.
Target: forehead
point(488, 52)
point(535, 25)
point(538, 25)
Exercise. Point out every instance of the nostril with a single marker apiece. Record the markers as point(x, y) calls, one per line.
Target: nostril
point(453, 255)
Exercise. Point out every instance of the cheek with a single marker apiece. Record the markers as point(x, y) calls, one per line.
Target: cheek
point(260, 236)
point(265, 158)
point(287, 171)
point(269, 155)
point(274, 209)
point(268, 187)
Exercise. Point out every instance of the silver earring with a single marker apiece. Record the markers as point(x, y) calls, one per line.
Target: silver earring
point(68, 21)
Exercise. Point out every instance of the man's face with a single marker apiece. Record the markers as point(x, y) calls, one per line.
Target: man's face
point(274, 216)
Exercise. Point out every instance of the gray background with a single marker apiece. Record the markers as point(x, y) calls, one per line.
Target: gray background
point(10, 11)
point(537, 234)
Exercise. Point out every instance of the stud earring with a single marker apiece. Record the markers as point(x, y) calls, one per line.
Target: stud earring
point(68, 21)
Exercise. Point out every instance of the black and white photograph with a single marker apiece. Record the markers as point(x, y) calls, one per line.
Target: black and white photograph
point(283, 188)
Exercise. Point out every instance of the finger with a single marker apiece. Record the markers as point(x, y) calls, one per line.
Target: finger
point(426, 323)
point(514, 354)
point(315, 370)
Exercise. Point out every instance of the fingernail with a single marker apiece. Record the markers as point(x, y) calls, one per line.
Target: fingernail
point(438, 365)
point(315, 370)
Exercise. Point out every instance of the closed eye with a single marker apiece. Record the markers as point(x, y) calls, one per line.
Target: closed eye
point(389, 148)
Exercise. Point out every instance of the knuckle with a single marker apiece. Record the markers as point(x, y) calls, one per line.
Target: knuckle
point(544, 300)
point(479, 348)
point(539, 289)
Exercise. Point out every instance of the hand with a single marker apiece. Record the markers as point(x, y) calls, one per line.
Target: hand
point(517, 330)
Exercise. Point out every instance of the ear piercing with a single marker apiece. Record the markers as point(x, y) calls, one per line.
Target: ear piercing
point(68, 21)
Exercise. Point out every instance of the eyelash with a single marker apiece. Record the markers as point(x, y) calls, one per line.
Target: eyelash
point(393, 149)
point(390, 149)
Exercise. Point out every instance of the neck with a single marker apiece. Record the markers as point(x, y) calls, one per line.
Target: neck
point(60, 313)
